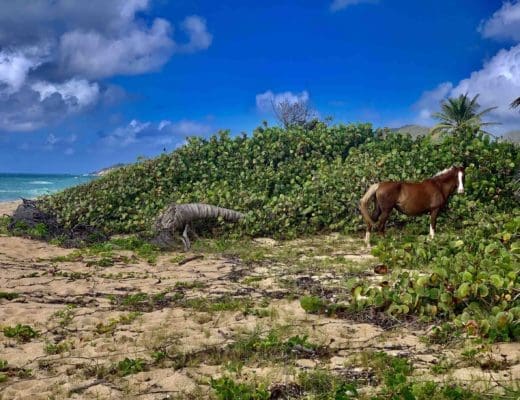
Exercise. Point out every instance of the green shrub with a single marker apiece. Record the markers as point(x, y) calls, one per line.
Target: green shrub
point(22, 333)
point(312, 304)
point(130, 366)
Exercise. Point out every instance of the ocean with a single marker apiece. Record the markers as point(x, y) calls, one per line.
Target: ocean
point(30, 186)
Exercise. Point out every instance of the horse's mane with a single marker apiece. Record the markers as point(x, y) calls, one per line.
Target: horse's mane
point(443, 173)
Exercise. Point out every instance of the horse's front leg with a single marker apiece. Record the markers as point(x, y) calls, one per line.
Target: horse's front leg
point(433, 221)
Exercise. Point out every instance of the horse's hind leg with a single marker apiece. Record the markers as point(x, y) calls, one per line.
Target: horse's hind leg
point(376, 213)
point(374, 217)
point(382, 220)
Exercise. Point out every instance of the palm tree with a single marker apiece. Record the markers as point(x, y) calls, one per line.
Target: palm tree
point(459, 113)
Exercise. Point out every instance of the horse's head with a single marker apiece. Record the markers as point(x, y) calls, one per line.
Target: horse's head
point(452, 178)
point(460, 173)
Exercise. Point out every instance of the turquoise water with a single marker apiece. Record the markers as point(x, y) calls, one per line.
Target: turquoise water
point(30, 186)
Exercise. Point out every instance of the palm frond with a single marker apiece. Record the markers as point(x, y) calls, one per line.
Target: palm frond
point(487, 110)
point(462, 112)
point(515, 103)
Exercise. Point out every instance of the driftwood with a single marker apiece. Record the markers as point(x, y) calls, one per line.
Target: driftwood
point(29, 215)
point(190, 259)
point(178, 217)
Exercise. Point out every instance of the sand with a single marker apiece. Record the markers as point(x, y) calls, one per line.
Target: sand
point(87, 323)
point(8, 207)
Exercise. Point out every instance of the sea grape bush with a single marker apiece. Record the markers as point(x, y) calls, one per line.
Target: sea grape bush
point(246, 174)
point(289, 182)
point(469, 277)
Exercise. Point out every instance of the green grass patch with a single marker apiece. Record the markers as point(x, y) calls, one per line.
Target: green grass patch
point(227, 389)
point(110, 326)
point(4, 223)
point(225, 303)
point(65, 316)
point(57, 348)
point(322, 384)
point(190, 285)
point(9, 295)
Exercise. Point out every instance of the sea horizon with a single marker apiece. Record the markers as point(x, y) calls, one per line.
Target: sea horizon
point(14, 186)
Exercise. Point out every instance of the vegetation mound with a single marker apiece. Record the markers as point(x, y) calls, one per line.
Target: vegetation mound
point(289, 182)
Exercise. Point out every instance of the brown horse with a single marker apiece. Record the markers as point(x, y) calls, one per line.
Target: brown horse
point(411, 198)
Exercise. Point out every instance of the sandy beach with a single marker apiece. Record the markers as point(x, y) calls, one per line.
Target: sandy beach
point(112, 325)
point(8, 207)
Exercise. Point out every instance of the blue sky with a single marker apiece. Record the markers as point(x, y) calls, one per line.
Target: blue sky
point(84, 85)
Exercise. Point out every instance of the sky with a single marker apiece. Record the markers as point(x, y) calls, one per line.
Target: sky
point(85, 85)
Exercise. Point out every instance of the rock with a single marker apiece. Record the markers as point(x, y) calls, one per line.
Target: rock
point(267, 242)
point(306, 363)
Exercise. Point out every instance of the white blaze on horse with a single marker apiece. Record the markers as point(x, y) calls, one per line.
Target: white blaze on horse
point(410, 198)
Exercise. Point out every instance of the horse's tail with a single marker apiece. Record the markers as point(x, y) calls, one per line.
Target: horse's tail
point(363, 204)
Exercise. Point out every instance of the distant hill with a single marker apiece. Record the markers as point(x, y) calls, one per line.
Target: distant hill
point(418, 130)
point(413, 130)
point(512, 136)
point(106, 170)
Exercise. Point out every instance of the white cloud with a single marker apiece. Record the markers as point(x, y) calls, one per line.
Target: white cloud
point(125, 135)
point(93, 55)
point(504, 23)
point(27, 21)
point(163, 124)
point(497, 83)
point(54, 52)
point(185, 128)
point(53, 141)
point(155, 134)
point(342, 4)
point(77, 93)
point(265, 101)
point(13, 70)
point(199, 37)
point(130, 47)
point(16, 64)
point(25, 110)
point(430, 102)
point(39, 103)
